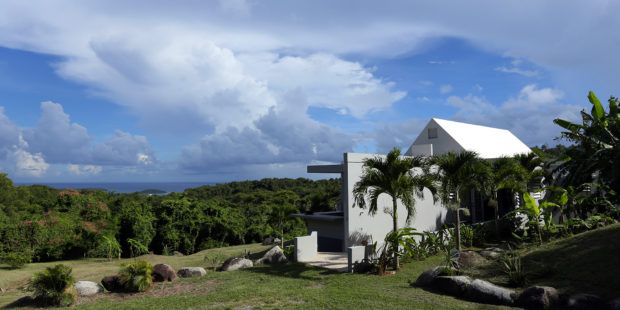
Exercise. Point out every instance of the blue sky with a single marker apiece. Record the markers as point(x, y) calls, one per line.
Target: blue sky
point(213, 91)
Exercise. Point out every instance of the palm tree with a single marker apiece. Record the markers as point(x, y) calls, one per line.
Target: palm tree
point(394, 176)
point(458, 173)
point(509, 173)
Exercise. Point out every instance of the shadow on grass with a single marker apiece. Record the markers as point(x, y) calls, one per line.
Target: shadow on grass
point(293, 270)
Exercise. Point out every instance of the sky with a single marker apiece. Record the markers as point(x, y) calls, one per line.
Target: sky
point(216, 91)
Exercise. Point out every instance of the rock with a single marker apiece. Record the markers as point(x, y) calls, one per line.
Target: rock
point(177, 253)
point(490, 254)
point(538, 297)
point(427, 277)
point(235, 263)
point(453, 285)
point(2, 290)
point(584, 301)
point(499, 250)
point(87, 288)
point(273, 256)
point(468, 259)
point(163, 272)
point(277, 241)
point(112, 283)
point(485, 292)
point(268, 241)
point(191, 272)
point(614, 304)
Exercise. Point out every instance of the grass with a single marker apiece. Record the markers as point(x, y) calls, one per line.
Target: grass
point(583, 263)
point(290, 286)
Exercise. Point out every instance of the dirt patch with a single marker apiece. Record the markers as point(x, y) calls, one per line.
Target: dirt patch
point(316, 285)
point(161, 289)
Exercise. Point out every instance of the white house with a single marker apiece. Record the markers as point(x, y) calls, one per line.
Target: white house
point(350, 225)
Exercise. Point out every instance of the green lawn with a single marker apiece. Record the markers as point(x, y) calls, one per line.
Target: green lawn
point(586, 262)
point(293, 285)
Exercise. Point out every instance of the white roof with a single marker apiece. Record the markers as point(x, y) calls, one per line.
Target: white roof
point(488, 142)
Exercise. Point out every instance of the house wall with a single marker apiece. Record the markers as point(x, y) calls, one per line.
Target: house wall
point(330, 234)
point(442, 144)
point(359, 225)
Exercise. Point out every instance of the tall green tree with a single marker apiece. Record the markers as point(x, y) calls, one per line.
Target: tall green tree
point(598, 145)
point(459, 173)
point(506, 173)
point(397, 177)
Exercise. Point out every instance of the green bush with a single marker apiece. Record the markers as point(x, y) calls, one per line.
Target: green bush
point(54, 285)
point(15, 259)
point(136, 276)
point(467, 235)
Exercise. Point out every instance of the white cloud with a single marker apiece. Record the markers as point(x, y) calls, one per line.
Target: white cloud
point(444, 89)
point(86, 170)
point(528, 73)
point(28, 164)
point(529, 116)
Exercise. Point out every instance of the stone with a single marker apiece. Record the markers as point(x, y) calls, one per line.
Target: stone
point(277, 241)
point(468, 259)
point(453, 285)
point(2, 290)
point(191, 272)
point(87, 288)
point(235, 263)
point(268, 241)
point(112, 283)
point(538, 297)
point(490, 254)
point(163, 272)
point(584, 301)
point(427, 277)
point(273, 256)
point(177, 253)
point(486, 292)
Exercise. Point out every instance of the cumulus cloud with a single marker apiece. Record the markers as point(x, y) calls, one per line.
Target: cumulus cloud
point(444, 89)
point(529, 116)
point(401, 134)
point(9, 134)
point(85, 170)
point(28, 164)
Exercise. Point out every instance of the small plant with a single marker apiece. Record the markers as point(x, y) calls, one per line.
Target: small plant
point(511, 262)
point(214, 260)
point(467, 235)
point(136, 276)
point(165, 251)
point(289, 252)
point(108, 248)
point(451, 260)
point(136, 248)
point(54, 285)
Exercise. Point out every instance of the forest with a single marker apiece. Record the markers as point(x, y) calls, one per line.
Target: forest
point(41, 223)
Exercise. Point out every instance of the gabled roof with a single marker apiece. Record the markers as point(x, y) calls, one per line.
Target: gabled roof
point(488, 142)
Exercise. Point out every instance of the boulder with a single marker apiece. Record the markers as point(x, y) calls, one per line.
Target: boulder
point(163, 272)
point(191, 272)
point(112, 283)
point(235, 263)
point(273, 256)
point(538, 297)
point(490, 254)
point(486, 292)
point(427, 277)
point(453, 285)
point(468, 259)
point(87, 288)
point(268, 241)
point(177, 253)
point(584, 301)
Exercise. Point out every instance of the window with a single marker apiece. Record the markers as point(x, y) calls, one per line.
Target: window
point(432, 133)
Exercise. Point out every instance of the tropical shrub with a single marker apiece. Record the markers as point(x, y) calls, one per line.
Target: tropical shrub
point(54, 285)
point(136, 248)
point(511, 263)
point(136, 276)
point(467, 235)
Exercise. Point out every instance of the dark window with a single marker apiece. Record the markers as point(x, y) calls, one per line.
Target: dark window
point(432, 133)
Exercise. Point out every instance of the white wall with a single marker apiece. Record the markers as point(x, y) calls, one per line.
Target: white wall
point(359, 225)
point(444, 143)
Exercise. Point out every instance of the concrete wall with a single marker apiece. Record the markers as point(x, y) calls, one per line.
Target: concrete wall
point(331, 238)
point(442, 144)
point(306, 247)
point(359, 225)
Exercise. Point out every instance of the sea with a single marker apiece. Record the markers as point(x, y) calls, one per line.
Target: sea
point(128, 187)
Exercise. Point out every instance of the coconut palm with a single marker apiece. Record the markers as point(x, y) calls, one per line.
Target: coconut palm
point(458, 173)
point(395, 176)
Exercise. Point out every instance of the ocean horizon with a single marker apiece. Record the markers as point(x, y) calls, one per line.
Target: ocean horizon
point(126, 187)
